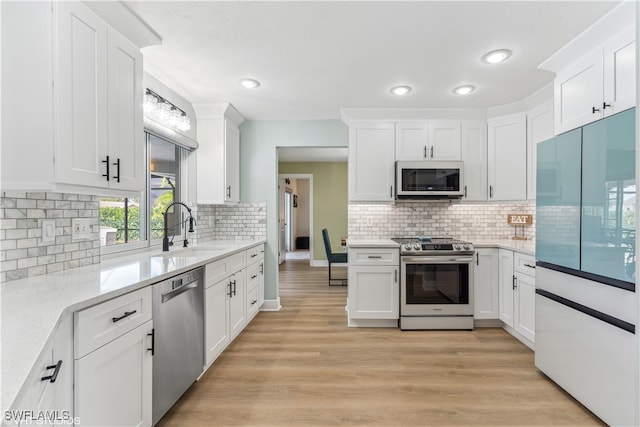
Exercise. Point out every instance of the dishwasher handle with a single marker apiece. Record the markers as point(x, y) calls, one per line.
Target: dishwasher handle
point(175, 292)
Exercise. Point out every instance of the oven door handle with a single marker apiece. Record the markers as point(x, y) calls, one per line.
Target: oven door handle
point(437, 260)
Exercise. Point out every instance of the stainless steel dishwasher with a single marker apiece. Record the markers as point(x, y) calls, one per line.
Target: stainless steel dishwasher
point(178, 341)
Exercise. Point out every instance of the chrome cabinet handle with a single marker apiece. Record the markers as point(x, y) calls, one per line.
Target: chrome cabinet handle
point(53, 377)
point(153, 341)
point(126, 314)
point(117, 165)
point(106, 161)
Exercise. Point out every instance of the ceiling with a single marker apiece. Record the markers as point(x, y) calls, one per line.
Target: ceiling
point(314, 58)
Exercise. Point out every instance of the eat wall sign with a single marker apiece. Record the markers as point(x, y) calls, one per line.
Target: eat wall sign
point(520, 219)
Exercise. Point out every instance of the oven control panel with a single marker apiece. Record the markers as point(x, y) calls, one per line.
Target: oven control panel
point(417, 248)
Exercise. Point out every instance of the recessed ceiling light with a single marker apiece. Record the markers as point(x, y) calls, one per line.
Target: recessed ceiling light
point(496, 56)
point(400, 90)
point(250, 83)
point(464, 90)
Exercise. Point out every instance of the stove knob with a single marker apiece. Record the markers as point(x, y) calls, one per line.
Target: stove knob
point(417, 247)
point(456, 247)
point(467, 247)
point(407, 247)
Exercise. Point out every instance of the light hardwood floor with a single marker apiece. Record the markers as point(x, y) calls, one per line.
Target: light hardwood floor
point(302, 366)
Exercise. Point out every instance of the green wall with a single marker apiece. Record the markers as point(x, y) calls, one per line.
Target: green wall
point(259, 141)
point(329, 201)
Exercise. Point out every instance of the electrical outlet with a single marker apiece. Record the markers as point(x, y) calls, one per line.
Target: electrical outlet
point(48, 230)
point(80, 229)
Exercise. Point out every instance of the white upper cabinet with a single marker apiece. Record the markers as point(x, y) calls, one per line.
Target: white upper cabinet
point(539, 128)
point(218, 154)
point(100, 138)
point(507, 157)
point(596, 72)
point(87, 77)
point(432, 140)
point(371, 161)
point(474, 157)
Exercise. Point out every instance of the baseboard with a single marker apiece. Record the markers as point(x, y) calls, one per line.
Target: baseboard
point(271, 305)
point(487, 323)
point(524, 340)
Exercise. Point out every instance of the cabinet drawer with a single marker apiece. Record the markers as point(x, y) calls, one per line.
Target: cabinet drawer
point(255, 254)
point(374, 256)
point(252, 302)
point(225, 267)
point(525, 264)
point(253, 275)
point(100, 324)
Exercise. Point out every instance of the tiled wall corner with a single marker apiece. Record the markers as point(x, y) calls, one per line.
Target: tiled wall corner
point(22, 252)
point(438, 219)
point(242, 221)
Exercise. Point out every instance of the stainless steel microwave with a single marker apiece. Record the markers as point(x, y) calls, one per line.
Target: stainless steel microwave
point(429, 179)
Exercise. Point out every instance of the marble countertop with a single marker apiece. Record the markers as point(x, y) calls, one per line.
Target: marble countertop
point(32, 308)
point(373, 243)
point(527, 247)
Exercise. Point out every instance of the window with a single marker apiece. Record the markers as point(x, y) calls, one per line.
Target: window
point(133, 222)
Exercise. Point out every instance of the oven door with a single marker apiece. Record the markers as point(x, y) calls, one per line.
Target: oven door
point(436, 286)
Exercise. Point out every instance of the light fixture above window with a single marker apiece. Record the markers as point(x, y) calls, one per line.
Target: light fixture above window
point(496, 56)
point(464, 90)
point(250, 83)
point(400, 90)
point(164, 112)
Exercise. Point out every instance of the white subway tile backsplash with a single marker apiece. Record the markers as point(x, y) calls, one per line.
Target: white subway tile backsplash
point(439, 219)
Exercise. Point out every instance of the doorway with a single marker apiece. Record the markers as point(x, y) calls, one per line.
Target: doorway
point(295, 219)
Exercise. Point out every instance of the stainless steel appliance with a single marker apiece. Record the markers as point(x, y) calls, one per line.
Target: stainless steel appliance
point(436, 283)
point(178, 341)
point(429, 179)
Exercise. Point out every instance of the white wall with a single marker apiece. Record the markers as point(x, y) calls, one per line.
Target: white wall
point(259, 141)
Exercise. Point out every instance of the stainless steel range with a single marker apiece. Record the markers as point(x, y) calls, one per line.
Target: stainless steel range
point(436, 283)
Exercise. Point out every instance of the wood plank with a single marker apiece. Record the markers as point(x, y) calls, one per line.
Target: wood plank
point(302, 366)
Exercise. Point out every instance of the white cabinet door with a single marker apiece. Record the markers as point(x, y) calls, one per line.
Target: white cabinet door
point(474, 157)
point(237, 304)
point(620, 73)
point(232, 163)
point(578, 93)
point(444, 140)
point(374, 292)
point(486, 285)
point(525, 306)
point(53, 400)
point(216, 312)
point(506, 281)
point(412, 140)
point(539, 128)
point(507, 157)
point(371, 162)
point(113, 383)
point(81, 96)
point(218, 160)
point(126, 133)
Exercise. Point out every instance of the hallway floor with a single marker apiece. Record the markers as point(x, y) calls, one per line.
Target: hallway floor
point(302, 366)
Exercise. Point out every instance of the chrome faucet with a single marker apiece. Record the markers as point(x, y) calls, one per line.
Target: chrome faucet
point(165, 239)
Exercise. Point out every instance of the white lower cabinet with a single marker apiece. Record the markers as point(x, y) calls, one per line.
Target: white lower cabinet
point(216, 308)
point(374, 286)
point(49, 392)
point(113, 362)
point(517, 294)
point(113, 383)
point(486, 289)
point(234, 293)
